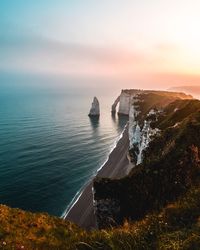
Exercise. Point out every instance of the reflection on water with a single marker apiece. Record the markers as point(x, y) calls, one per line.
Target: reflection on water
point(119, 122)
point(122, 120)
point(94, 121)
point(113, 115)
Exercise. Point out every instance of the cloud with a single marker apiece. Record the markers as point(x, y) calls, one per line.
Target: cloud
point(155, 66)
point(167, 47)
point(41, 54)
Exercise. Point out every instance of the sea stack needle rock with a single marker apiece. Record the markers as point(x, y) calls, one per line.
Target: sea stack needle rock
point(95, 110)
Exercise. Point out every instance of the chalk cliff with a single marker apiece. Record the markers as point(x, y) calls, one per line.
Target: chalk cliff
point(140, 136)
point(125, 100)
point(95, 109)
point(126, 96)
point(124, 103)
point(148, 111)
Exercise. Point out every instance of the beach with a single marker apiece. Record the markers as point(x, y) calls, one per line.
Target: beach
point(117, 166)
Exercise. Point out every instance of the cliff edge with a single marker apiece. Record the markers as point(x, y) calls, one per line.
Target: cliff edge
point(126, 96)
point(165, 148)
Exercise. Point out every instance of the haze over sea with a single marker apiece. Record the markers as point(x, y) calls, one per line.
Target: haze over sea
point(49, 147)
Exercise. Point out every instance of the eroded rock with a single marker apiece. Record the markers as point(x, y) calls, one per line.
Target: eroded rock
point(95, 109)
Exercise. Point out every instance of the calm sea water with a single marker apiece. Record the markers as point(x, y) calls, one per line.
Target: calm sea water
point(49, 147)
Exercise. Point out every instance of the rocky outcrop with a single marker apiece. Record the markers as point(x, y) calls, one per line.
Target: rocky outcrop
point(153, 119)
point(108, 211)
point(113, 110)
point(140, 106)
point(125, 101)
point(124, 105)
point(140, 134)
point(126, 96)
point(95, 109)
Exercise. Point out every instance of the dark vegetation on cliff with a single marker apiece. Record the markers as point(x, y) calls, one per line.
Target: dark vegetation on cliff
point(159, 200)
point(176, 95)
point(170, 166)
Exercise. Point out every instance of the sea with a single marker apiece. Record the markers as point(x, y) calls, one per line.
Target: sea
point(49, 147)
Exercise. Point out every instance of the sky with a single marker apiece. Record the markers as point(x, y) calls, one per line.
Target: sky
point(150, 43)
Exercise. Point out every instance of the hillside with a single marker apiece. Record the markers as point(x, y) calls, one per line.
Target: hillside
point(150, 96)
point(157, 206)
point(166, 166)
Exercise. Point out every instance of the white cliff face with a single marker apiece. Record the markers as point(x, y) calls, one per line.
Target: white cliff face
point(95, 109)
point(140, 137)
point(124, 103)
point(147, 133)
point(125, 100)
point(134, 128)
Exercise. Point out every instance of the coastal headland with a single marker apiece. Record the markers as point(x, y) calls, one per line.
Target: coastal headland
point(82, 210)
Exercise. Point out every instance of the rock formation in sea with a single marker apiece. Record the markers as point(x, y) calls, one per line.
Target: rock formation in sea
point(95, 109)
point(113, 109)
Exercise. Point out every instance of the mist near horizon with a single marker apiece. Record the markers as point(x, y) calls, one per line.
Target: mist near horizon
point(28, 83)
point(193, 90)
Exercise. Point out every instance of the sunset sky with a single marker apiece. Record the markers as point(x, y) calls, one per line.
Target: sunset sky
point(148, 42)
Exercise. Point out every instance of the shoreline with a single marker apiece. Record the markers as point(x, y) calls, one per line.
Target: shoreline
point(79, 193)
point(117, 165)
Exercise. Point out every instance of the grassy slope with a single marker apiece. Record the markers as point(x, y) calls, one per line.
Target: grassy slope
point(156, 100)
point(34, 231)
point(177, 226)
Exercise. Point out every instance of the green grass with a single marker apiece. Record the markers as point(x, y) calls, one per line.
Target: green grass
point(176, 226)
